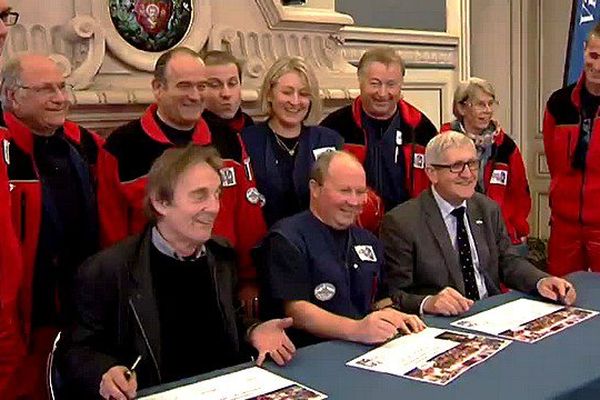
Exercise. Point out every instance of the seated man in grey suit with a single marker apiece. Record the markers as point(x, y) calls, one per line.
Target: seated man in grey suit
point(449, 246)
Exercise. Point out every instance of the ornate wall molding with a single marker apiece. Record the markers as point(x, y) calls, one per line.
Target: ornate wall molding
point(278, 16)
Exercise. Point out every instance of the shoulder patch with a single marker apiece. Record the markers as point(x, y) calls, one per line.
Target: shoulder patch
point(499, 177)
point(228, 176)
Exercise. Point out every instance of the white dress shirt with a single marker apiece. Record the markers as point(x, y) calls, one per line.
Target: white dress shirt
point(450, 221)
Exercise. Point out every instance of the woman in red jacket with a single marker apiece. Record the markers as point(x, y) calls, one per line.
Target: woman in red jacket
point(502, 174)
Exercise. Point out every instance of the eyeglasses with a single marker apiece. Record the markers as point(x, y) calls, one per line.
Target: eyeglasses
point(459, 166)
point(50, 89)
point(483, 105)
point(9, 18)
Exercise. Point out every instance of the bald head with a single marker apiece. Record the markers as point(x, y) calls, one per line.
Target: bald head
point(34, 90)
point(338, 189)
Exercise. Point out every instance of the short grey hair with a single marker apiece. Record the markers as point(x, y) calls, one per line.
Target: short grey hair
point(320, 168)
point(11, 80)
point(466, 90)
point(437, 147)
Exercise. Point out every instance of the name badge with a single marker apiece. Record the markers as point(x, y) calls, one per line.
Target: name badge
point(499, 177)
point(6, 148)
point(321, 150)
point(419, 160)
point(324, 291)
point(398, 138)
point(227, 176)
point(365, 253)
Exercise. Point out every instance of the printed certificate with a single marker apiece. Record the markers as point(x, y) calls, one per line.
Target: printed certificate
point(525, 320)
point(434, 355)
point(248, 384)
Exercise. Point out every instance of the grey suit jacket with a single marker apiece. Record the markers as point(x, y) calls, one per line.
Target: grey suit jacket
point(420, 259)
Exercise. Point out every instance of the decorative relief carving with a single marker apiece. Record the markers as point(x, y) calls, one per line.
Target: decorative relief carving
point(260, 49)
point(144, 60)
point(78, 46)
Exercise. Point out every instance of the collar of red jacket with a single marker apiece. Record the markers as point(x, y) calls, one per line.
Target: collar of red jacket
point(23, 136)
point(150, 126)
point(357, 109)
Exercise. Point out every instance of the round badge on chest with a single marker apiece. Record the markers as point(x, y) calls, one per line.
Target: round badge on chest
point(324, 291)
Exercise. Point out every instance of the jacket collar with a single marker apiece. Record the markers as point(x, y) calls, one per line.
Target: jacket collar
point(201, 133)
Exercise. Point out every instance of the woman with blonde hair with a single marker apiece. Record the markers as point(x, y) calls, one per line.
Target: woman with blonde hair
point(283, 149)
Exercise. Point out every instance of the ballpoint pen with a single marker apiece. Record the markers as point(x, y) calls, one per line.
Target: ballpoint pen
point(131, 370)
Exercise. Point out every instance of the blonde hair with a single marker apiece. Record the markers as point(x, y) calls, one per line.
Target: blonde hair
point(466, 90)
point(437, 147)
point(301, 67)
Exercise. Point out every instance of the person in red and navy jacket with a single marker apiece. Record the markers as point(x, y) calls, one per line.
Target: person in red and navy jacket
point(572, 144)
point(174, 120)
point(180, 86)
point(502, 175)
point(12, 346)
point(240, 211)
point(51, 167)
point(386, 133)
point(283, 149)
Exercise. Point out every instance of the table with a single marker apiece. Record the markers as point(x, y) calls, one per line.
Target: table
point(563, 366)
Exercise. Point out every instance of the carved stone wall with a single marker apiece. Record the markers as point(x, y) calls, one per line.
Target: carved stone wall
point(112, 78)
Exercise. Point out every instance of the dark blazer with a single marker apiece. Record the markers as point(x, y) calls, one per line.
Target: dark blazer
point(420, 259)
point(117, 314)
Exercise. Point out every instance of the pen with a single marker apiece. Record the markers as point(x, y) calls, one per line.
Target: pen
point(564, 297)
point(131, 370)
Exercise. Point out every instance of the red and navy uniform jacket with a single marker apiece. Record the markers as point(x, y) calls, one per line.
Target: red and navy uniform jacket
point(135, 146)
point(12, 347)
point(240, 218)
point(574, 193)
point(396, 166)
point(259, 143)
point(26, 193)
point(505, 182)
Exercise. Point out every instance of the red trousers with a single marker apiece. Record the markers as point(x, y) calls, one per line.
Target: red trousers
point(573, 247)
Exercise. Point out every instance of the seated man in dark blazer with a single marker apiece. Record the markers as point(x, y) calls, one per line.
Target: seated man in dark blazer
point(449, 247)
point(167, 295)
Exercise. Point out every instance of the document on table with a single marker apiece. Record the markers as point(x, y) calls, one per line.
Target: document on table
point(248, 384)
point(433, 355)
point(525, 320)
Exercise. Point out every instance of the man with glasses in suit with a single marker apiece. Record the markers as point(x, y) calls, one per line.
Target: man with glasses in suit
point(449, 247)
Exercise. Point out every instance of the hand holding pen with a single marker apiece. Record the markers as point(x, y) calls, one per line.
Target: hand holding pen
point(119, 382)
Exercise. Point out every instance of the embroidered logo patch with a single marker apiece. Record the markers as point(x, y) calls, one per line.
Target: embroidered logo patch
point(324, 291)
point(499, 177)
point(255, 197)
point(398, 138)
point(321, 150)
point(419, 160)
point(227, 176)
point(365, 252)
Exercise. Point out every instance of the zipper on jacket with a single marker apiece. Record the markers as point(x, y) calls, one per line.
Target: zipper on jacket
point(145, 338)
point(23, 216)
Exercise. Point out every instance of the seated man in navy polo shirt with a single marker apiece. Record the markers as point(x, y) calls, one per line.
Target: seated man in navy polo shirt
point(323, 270)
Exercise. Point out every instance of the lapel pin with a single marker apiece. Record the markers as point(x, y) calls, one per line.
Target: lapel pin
point(479, 222)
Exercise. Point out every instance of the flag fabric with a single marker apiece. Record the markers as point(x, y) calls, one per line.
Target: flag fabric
point(585, 14)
